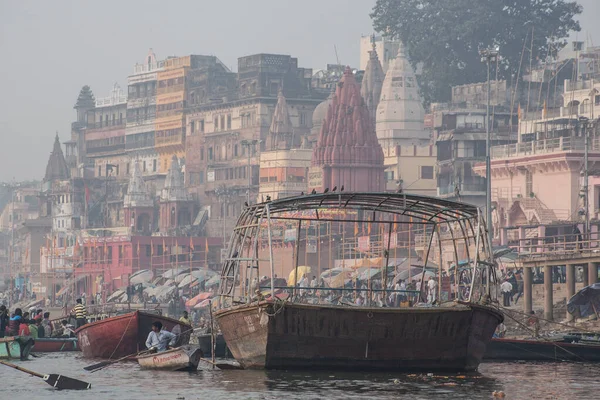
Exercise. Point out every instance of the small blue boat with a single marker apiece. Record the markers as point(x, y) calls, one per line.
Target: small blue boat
point(15, 347)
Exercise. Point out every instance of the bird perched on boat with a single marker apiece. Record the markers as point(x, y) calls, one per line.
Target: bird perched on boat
point(246, 203)
point(334, 189)
point(268, 198)
point(342, 188)
point(326, 190)
point(314, 191)
point(301, 193)
point(399, 190)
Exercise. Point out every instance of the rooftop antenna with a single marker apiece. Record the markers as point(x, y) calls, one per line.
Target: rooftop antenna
point(336, 54)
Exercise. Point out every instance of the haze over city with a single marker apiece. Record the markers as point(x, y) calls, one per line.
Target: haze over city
point(51, 49)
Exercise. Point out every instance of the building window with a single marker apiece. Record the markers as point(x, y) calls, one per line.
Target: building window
point(154, 165)
point(302, 119)
point(235, 150)
point(201, 125)
point(389, 175)
point(222, 122)
point(426, 172)
point(229, 122)
point(144, 166)
point(127, 169)
point(100, 171)
point(528, 182)
point(216, 124)
point(210, 153)
point(192, 127)
point(201, 153)
point(201, 177)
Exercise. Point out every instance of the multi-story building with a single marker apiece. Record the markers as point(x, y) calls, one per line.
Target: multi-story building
point(105, 135)
point(141, 116)
point(226, 136)
point(461, 143)
point(75, 149)
point(386, 47)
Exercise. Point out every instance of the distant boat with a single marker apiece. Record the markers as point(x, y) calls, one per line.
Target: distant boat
point(51, 345)
point(184, 358)
point(125, 334)
point(308, 331)
point(541, 350)
point(15, 347)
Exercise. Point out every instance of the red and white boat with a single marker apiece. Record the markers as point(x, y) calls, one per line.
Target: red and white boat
point(126, 334)
point(184, 358)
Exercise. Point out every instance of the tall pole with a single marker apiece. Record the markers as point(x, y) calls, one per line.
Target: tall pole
point(488, 56)
point(586, 199)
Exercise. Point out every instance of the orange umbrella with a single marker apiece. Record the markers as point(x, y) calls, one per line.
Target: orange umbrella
point(197, 299)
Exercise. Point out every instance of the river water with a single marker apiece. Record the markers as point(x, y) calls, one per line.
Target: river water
point(518, 380)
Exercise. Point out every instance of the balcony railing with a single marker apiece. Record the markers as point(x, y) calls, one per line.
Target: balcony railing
point(107, 124)
point(115, 148)
point(547, 146)
point(139, 144)
point(463, 187)
point(168, 140)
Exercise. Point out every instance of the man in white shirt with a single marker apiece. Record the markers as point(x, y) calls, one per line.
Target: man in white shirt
point(160, 338)
point(506, 288)
point(432, 291)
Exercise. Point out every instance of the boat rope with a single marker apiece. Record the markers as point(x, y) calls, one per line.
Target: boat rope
point(278, 306)
point(546, 320)
point(122, 336)
point(542, 338)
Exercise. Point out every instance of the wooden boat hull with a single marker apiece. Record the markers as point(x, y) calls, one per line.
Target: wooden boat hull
point(184, 358)
point(125, 334)
point(205, 343)
point(15, 347)
point(358, 338)
point(52, 345)
point(539, 350)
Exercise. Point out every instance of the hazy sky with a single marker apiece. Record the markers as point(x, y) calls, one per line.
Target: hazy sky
point(49, 49)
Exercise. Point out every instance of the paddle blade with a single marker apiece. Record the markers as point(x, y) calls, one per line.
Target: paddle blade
point(99, 365)
point(62, 382)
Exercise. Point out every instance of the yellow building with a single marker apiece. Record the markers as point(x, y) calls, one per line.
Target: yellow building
point(412, 168)
point(283, 173)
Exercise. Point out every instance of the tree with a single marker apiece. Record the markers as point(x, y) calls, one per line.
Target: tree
point(445, 36)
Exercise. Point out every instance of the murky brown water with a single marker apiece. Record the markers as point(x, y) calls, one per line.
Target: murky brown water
point(126, 381)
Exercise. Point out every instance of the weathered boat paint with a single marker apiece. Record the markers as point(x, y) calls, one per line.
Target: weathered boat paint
point(184, 358)
point(288, 336)
point(51, 345)
point(15, 347)
point(125, 334)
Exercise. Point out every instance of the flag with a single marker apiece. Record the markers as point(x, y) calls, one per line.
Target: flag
point(26, 253)
point(395, 222)
point(164, 247)
point(206, 245)
point(544, 110)
point(191, 244)
point(369, 228)
point(356, 228)
point(519, 112)
point(151, 250)
point(87, 194)
point(138, 249)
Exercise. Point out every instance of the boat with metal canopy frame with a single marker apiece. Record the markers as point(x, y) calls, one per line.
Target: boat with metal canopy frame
point(366, 319)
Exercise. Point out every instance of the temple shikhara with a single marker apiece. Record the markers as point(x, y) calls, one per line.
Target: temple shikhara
point(347, 152)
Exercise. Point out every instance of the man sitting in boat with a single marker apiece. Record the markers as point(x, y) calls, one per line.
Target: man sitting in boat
point(185, 318)
point(160, 339)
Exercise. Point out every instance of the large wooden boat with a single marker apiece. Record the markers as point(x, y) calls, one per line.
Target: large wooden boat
point(541, 350)
point(15, 347)
point(184, 358)
point(361, 329)
point(51, 345)
point(125, 334)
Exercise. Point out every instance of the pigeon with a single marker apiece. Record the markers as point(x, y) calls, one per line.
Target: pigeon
point(246, 203)
point(326, 190)
point(313, 191)
point(399, 190)
point(268, 198)
point(342, 188)
point(334, 189)
point(301, 193)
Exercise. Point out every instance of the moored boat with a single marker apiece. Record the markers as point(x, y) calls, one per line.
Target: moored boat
point(184, 358)
point(125, 334)
point(540, 350)
point(51, 345)
point(15, 347)
point(364, 323)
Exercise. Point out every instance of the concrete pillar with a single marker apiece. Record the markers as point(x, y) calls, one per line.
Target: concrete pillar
point(570, 285)
point(586, 278)
point(528, 290)
point(592, 273)
point(548, 301)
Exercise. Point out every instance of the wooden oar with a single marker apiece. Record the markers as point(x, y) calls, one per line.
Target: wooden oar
point(103, 364)
point(58, 381)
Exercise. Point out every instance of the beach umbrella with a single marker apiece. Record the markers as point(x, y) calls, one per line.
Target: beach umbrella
point(299, 271)
point(181, 277)
point(199, 298)
point(341, 279)
point(142, 276)
point(213, 281)
point(173, 272)
point(586, 302)
point(189, 278)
